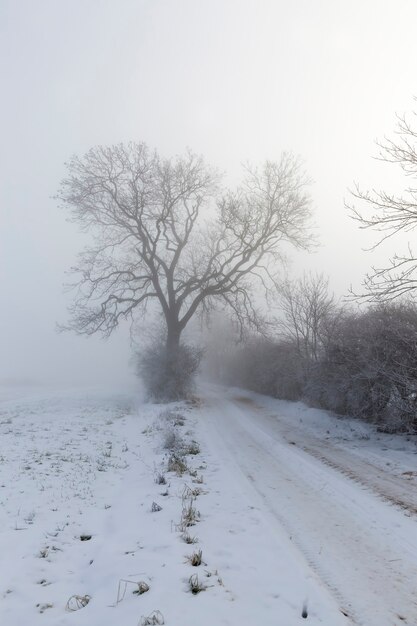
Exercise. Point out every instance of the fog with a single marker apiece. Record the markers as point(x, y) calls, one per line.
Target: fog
point(234, 80)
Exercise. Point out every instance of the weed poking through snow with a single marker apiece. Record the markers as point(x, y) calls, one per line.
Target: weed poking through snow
point(196, 558)
point(192, 448)
point(177, 465)
point(191, 492)
point(155, 618)
point(195, 585)
point(189, 516)
point(160, 479)
point(187, 538)
point(140, 587)
point(77, 602)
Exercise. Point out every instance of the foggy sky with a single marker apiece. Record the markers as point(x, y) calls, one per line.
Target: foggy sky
point(234, 80)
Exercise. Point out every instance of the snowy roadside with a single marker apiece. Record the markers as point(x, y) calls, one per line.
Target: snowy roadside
point(338, 514)
point(394, 453)
point(83, 475)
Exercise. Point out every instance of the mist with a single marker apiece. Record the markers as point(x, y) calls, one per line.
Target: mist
point(234, 81)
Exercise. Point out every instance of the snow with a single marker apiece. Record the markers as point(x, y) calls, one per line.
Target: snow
point(278, 525)
point(358, 537)
point(359, 437)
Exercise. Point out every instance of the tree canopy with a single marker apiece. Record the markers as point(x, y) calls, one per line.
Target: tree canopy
point(164, 230)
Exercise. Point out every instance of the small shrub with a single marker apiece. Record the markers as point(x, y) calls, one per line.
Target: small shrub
point(173, 417)
point(160, 479)
point(191, 492)
point(192, 448)
point(107, 452)
point(142, 588)
point(169, 377)
point(172, 441)
point(155, 507)
point(195, 585)
point(189, 515)
point(196, 558)
point(176, 464)
point(101, 465)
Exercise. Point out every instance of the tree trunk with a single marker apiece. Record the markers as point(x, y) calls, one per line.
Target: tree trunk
point(171, 360)
point(173, 339)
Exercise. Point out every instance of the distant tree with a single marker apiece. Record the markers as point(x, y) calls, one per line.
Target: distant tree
point(165, 232)
point(308, 309)
point(389, 214)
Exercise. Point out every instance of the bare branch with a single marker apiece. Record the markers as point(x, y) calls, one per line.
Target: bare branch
point(164, 231)
point(390, 214)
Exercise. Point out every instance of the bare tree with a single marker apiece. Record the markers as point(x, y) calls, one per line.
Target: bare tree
point(308, 311)
point(165, 232)
point(390, 214)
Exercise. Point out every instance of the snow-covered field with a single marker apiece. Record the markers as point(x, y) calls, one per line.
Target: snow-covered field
point(284, 525)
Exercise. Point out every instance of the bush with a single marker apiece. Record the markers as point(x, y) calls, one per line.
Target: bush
point(172, 441)
point(366, 366)
point(369, 368)
point(269, 367)
point(167, 379)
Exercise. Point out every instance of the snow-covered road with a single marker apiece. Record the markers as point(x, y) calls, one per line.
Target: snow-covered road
point(335, 504)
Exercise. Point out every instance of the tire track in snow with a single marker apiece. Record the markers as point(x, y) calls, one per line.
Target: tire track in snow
point(398, 491)
point(345, 607)
point(335, 525)
point(397, 500)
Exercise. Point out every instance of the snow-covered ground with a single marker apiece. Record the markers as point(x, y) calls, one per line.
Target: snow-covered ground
point(290, 513)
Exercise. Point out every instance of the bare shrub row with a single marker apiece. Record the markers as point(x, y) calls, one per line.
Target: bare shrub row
point(364, 365)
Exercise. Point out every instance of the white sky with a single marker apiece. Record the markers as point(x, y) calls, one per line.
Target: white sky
point(232, 79)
